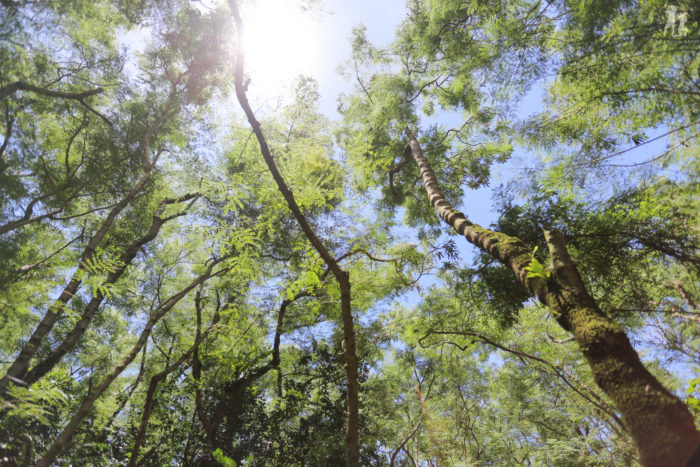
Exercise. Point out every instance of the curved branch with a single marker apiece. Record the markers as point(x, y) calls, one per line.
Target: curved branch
point(9, 125)
point(659, 423)
point(158, 378)
point(91, 308)
point(559, 371)
point(609, 156)
point(21, 364)
point(403, 442)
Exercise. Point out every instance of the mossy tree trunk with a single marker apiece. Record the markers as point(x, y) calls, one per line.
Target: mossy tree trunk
point(660, 424)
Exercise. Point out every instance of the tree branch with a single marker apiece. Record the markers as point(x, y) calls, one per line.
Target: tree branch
point(11, 88)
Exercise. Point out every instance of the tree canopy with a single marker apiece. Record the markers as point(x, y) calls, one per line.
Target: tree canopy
point(188, 278)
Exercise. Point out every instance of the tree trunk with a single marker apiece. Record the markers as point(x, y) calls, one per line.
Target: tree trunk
point(150, 395)
point(85, 407)
point(660, 424)
point(19, 367)
point(352, 437)
point(169, 368)
point(91, 308)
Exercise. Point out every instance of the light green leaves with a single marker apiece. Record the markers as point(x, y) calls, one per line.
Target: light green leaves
point(101, 265)
point(94, 270)
point(692, 401)
point(33, 403)
point(537, 269)
point(222, 459)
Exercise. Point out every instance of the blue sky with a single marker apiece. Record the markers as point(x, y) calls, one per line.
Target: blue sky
point(322, 34)
point(379, 16)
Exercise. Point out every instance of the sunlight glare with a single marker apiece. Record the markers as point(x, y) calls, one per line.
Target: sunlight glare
point(281, 42)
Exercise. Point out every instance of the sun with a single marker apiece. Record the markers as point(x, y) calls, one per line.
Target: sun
point(280, 42)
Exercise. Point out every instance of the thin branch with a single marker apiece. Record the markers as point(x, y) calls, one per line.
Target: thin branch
point(656, 89)
point(660, 156)
point(559, 371)
point(9, 125)
point(367, 254)
point(124, 398)
point(28, 267)
point(341, 276)
point(609, 156)
point(359, 80)
point(158, 378)
point(86, 405)
point(403, 442)
point(684, 293)
point(102, 116)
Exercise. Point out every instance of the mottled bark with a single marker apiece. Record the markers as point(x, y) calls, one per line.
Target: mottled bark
point(660, 424)
point(19, 367)
point(352, 441)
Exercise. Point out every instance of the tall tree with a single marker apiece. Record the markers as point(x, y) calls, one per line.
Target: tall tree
point(174, 290)
point(341, 276)
point(450, 54)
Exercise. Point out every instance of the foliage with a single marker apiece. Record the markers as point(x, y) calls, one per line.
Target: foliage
point(171, 310)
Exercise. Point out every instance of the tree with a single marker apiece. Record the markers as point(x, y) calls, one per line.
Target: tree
point(442, 53)
point(176, 278)
point(341, 276)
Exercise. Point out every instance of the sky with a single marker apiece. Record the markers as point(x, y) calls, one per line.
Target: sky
point(317, 43)
point(313, 43)
point(284, 40)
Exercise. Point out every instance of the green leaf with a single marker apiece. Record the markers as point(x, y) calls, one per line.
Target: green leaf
point(537, 269)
